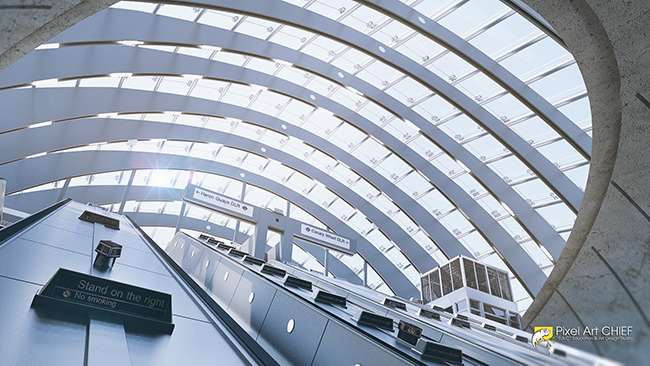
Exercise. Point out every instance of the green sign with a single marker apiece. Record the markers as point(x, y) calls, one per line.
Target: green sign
point(77, 291)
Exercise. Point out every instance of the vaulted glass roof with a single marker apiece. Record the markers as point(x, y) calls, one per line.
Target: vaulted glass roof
point(425, 129)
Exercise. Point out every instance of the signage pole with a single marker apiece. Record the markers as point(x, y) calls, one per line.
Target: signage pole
point(326, 262)
point(180, 216)
point(365, 273)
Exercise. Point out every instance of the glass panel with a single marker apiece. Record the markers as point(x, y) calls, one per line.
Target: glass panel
point(494, 282)
point(494, 313)
point(434, 279)
point(456, 274)
point(446, 279)
point(481, 278)
point(470, 276)
point(506, 293)
point(425, 288)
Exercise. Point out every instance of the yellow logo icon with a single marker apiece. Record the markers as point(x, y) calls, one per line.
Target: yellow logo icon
point(543, 335)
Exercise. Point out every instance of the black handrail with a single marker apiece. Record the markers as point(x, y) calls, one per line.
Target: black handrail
point(235, 329)
point(20, 225)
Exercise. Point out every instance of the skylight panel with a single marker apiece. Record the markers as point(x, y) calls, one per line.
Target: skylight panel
point(215, 182)
point(135, 5)
point(434, 109)
point(297, 148)
point(230, 156)
point(344, 175)
point(140, 82)
point(385, 205)
point(579, 175)
point(330, 9)
point(272, 139)
point(323, 48)
point(253, 162)
point(341, 209)
point(219, 19)
point(298, 181)
point(257, 27)
point(560, 84)
point(470, 14)
point(485, 147)
point(392, 33)
point(346, 137)
point(352, 60)
point(175, 85)
point(456, 223)
point(506, 107)
point(558, 215)
point(238, 94)
point(179, 12)
point(476, 244)
point(203, 151)
point(578, 111)
point(420, 48)
point(151, 207)
point(447, 165)
point(408, 91)
point(230, 58)
point(364, 189)
point(317, 84)
point(424, 147)
point(535, 192)
point(375, 113)
point(509, 168)
point(169, 49)
point(413, 184)
point(269, 102)
point(209, 89)
point(480, 87)
point(291, 37)
point(379, 240)
point(262, 65)
point(293, 75)
point(404, 222)
point(248, 131)
point(348, 98)
point(400, 130)
point(505, 35)
point(450, 67)
point(432, 8)
point(101, 82)
point(320, 195)
point(561, 153)
point(321, 123)
point(393, 168)
point(370, 152)
point(277, 171)
point(233, 189)
point(196, 52)
point(364, 19)
point(219, 124)
point(147, 146)
point(536, 58)
point(321, 161)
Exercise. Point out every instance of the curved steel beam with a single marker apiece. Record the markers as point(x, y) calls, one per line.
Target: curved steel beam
point(102, 100)
point(531, 220)
point(93, 131)
point(573, 134)
point(51, 167)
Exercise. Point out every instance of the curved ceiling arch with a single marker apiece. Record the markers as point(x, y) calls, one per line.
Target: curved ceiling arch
point(506, 193)
point(520, 263)
point(285, 13)
point(94, 60)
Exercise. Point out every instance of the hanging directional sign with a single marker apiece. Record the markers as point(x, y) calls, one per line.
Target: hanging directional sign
point(214, 200)
point(78, 292)
point(325, 238)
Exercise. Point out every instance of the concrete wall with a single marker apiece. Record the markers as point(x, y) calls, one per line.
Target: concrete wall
point(30, 337)
point(602, 276)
